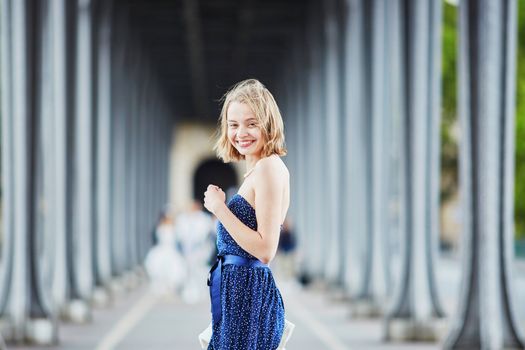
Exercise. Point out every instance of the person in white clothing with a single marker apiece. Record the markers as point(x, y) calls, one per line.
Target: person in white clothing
point(193, 229)
point(164, 264)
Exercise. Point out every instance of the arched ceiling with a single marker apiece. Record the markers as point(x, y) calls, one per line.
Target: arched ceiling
point(202, 47)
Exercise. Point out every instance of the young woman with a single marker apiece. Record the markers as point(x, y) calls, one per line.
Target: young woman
point(247, 308)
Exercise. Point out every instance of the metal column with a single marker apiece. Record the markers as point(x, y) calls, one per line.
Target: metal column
point(416, 313)
point(103, 209)
point(83, 161)
point(333, 135)
point(488, 33)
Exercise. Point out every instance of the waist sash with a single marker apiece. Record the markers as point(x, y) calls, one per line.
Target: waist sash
point(214, 279)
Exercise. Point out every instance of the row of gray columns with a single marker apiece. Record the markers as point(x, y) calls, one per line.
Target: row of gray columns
point(85, 142)
point(362, 108)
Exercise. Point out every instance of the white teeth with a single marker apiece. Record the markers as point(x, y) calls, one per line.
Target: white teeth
point(245, 143)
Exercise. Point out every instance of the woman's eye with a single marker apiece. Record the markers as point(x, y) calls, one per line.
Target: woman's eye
point(252, 124)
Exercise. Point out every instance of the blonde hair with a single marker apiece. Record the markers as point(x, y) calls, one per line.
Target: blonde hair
point(253, 93)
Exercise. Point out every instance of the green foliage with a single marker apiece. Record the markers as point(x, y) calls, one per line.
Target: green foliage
point(520, 127)
point(449, 147)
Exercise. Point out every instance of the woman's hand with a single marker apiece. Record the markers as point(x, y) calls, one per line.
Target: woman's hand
point(213, 198)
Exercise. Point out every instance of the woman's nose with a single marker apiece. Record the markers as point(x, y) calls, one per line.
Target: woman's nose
point(242, 130)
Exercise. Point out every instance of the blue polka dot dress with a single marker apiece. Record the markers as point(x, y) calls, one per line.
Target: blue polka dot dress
point(252, 307)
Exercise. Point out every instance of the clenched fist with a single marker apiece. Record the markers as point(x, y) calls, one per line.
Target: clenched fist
point(213, 198)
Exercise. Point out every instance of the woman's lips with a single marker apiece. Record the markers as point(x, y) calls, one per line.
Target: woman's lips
point(245, 144)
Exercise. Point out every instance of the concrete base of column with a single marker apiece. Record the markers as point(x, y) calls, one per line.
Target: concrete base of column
point(38, 331)
point(319, 285)
point(141, 273)
point(78, 311)
point(117, 288)
point(3, 345)
point(337, 294)
point(6, 329)
point(365, 309)
point(101, 298)
point(131, 280)
point(41, 332)
point(127, 281)
point(402, 329)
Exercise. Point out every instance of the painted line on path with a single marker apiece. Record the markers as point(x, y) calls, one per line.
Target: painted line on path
point(127, 322)
point(320, 330)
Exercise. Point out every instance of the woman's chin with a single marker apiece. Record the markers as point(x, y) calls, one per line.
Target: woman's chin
point(250, 151)
point(245, 153)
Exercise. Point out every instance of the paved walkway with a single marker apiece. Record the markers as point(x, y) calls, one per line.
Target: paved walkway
point(140, 321)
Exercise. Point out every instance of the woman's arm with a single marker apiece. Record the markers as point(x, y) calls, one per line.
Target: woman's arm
point(269, 187)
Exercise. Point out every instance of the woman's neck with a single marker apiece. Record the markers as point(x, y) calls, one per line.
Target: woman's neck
point(251, 161)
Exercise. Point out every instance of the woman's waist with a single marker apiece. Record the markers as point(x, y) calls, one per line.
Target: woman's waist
point(241, 261)
point(224, 250)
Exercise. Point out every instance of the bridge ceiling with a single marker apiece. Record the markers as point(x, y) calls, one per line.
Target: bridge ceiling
point(201, 47)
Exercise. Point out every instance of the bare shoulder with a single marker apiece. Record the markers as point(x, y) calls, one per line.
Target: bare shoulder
point(273, 181)
point(273, 166)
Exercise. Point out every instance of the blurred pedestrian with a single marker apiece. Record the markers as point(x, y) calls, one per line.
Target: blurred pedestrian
point(164, 264)
point(193, 228)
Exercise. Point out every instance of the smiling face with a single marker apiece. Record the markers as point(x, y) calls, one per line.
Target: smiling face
point(244, 130)
point(251, 125)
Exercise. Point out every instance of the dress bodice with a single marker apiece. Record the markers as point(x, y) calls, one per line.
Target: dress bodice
point(242, 209)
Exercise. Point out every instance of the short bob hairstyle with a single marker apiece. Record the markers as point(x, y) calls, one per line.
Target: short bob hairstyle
point(261, 102)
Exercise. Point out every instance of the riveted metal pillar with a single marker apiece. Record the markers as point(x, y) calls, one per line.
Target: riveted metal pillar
point(354, 170)
point(486, 317)
point(82, 228)
point(300, 142)
point(416, 313)
point(316, 135)
point(103, 209)
point(333, 150)
point(60, 150)
point(118, 129)
point(23, 300)
point(21, 123)
point(7, 144)
point(368, 155)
